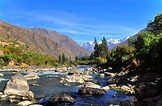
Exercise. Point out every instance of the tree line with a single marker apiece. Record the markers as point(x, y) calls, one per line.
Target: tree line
point(143, 52)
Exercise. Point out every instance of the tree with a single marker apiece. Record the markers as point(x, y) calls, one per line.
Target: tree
point(100, 51)
point(63, 58)
point(60, 59)
point(103, 47)
point(96, 48)
point(156, 25)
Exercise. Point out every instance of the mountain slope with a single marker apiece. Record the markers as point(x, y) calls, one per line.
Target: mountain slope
point(125, 43)
point(36, 41)
point(63, 41)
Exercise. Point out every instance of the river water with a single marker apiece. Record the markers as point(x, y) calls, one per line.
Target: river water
point(48, 84)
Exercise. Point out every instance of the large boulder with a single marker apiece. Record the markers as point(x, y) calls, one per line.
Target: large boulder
point(18, 85)
point(146, 89)
point(91, 91)
point(61, 98)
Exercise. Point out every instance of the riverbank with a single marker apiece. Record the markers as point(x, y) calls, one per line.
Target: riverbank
point(48, 84)
point(146, 87)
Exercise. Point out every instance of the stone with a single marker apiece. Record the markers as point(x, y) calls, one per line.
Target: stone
point(24, 103)
point(90, 91)
point(35, 85)
point(125, 103)
point(31, 76)
point(61, 98)
point(145, 90)
point(74, 71)
point(85, 72)
point(61, 69)
point(76, 78)
point(92, 85)
point(106, 88)
point(14, 98)
point(1, 75)
point(102, 75)
point(148, 100)
point(109, 74)
point(18, 86)
point(159, 103)
point(159, 83)
point(3, 97)
point(1, 93)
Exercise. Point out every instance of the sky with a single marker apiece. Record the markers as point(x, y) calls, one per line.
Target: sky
point(82, 20)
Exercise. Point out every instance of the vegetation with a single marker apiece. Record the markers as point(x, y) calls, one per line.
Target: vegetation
point(20, 54)
point(144, 52)
point(100, 52)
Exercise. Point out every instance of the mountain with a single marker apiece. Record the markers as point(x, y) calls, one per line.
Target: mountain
point(39, 42)
point(111, 44)
point(63, 41)
point(132, 37)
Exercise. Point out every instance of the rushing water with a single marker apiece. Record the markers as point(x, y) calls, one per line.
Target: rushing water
point(48, 84)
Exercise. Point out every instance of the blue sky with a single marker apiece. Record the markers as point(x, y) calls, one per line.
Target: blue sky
point(82, 20)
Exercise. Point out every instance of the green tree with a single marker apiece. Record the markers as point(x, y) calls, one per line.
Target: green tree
point(96, 48)
point(156, 25)
point(63, 58)
point(60, 59)
point(103, 48)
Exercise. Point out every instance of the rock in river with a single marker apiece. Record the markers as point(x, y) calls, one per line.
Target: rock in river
point(61, 98)
point(18, 85)
point(31, 76)
point(146, 89)
point(91, 91)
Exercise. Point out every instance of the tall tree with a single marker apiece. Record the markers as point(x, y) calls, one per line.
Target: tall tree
point(63, 57)
point(60, 59)
point(96, 48)
point(103, 48)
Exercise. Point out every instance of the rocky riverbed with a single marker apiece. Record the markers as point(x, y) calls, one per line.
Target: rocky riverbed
point(66, 85)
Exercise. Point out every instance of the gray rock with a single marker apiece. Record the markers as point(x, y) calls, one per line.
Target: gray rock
point(1, 75)
point(159, 83)
point(159, 103)
point(18, 85)
point(125, 103)
point(74, 71)
point(145, 90)
point(31, 76)
point(24, 103)
point(61, 98)
point(91, 91)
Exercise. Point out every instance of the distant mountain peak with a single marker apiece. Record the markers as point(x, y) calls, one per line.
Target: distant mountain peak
point(110, 42)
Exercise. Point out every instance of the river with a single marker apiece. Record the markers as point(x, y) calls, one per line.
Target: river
point(48, 84)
